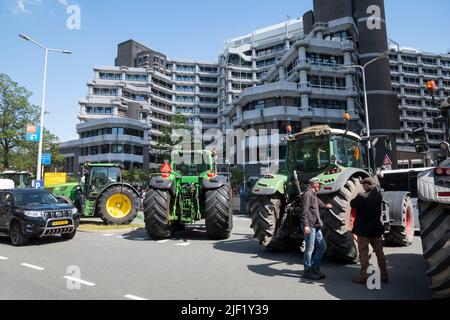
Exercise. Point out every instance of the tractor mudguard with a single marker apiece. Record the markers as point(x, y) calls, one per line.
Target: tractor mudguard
point(346, 175)
point(159, 183)
point(270, 185)
point(214, 183)
point(395, 200)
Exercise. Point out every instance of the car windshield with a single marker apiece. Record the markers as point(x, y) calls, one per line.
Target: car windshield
point(34, 198)
point(310, 155)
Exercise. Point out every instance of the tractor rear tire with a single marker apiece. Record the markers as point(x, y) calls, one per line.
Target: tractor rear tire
point(265, 212)
point(403, 236)
point(435, 234)
point(338, 224)
point(118, 206)
point(219, 213)
point(157, 212)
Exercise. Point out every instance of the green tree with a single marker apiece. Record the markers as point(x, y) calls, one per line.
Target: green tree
point(25, 157)
point(237, 178)
point(166, 143)
point(15, 113)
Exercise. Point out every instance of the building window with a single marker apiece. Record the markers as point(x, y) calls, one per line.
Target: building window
point(137, 77)
point(105, 92)
point(110, 76)
point(116, 148)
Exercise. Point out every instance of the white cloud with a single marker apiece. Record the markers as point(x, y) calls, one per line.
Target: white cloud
point(63, 2)
point(22, 6)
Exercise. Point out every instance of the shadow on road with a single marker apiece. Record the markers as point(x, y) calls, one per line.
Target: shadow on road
point(191, 233)
point(407, 272)
point(36, 241)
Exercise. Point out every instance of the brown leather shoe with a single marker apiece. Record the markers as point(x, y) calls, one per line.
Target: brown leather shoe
point(360, 280)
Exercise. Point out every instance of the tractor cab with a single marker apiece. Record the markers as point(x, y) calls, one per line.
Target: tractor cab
point(99, 176)
point(22, 179)
point(322, 151)
point(193, 163)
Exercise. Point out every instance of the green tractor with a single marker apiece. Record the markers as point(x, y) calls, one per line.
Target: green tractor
point(101, 193)
point(187, 193)
point(22, 179)
point(336, 157)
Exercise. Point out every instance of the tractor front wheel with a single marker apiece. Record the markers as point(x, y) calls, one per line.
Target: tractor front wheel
point(157, 212)
point(339, 223)
point(402, 234)
point(265, 212)
point(118, 206)
point(219, 213)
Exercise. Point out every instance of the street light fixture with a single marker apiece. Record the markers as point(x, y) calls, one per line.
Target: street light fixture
point(366, 103)
point(44, 86)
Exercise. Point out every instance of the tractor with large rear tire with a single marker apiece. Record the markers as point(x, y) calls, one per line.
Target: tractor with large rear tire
point(186, 192)
point(336, 157)
point(101, 193)
point(433, 187)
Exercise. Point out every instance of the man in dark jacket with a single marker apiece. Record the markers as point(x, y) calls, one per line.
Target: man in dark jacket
point(369, 229)
point(312, 225)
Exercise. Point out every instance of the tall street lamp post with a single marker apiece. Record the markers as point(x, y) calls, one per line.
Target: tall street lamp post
point(366, 103)
point(44, 87)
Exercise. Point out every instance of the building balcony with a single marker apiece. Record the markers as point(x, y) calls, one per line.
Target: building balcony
point(111, 157)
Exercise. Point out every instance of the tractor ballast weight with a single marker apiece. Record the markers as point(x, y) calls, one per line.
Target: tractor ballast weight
point(335, 157)
point(185, 193)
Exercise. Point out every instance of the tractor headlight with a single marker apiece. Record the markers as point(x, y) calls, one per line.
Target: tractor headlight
point(34, 214)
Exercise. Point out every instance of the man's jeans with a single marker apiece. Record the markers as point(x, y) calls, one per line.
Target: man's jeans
point(316, 246)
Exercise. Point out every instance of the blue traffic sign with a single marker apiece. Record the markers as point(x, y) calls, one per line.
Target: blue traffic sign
point(46, 159)
point(33, 133)
point(38, 184)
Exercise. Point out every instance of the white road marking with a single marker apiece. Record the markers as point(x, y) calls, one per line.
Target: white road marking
point(107, 235)
point(87, 283)
point(32, 266)
point(162, 241)
point(131, 297)
point(3, 258)
point(185, 244)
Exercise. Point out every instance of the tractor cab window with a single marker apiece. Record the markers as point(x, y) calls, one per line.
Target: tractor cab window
point(191, 167)
point(101, 177)
point(310, 155)
point(348, 152)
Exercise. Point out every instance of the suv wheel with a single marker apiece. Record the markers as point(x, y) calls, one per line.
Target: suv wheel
point(18, 239)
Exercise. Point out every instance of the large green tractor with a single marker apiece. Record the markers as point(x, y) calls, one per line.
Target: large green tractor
point(102, 193)
point(186, 193)
point(336, 157)
point(22, 179)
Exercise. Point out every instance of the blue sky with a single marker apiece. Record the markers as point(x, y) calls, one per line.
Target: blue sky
point(182, 29)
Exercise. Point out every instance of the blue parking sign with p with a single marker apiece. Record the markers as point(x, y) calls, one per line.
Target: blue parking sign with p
point(38, 184)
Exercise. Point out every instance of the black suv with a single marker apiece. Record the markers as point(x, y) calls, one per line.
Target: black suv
point(26, 213)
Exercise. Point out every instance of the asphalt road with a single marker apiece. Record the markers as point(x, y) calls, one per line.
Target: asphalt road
point(130, 266)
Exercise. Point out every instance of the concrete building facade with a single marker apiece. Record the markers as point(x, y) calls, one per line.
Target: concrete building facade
point(297, 72)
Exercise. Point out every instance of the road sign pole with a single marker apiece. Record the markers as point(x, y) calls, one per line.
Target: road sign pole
point(41, 138)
